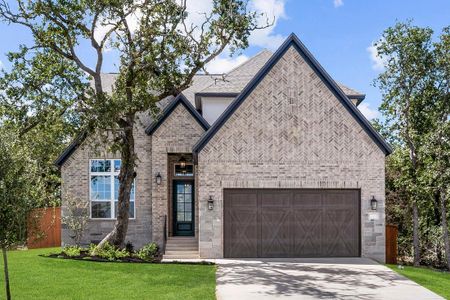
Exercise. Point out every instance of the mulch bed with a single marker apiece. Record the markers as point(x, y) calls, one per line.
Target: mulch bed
point(84, 255)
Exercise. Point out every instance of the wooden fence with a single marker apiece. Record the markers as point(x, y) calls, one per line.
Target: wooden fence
point(44, 228)
point(391, 244)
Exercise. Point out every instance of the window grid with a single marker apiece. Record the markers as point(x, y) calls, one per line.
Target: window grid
point(108, 171)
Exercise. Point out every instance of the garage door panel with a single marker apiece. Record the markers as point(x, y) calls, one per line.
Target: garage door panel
point(276, 233)
point(307, 234)
point(241, 230)
point(340, 232)
point(291, 223)
point(303, 199)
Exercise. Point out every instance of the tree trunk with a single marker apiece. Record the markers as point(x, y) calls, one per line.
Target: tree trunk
point(416, 243)
point(445, 227)
point(126, 177)
point(5, 267)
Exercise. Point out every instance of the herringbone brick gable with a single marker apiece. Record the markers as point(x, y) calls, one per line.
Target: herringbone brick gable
point(291, 108)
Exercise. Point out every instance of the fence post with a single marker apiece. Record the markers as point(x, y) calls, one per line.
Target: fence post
point(391, 244)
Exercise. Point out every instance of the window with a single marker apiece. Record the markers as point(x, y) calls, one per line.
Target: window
point(104, 189)
point(188, 170)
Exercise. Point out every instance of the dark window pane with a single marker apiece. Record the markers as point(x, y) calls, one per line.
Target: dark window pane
point(131, 212)
point(100, 165)
point(180, 188)
point(101, 209)
point(188, 170)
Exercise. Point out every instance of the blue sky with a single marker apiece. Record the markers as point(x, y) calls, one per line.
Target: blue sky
point(337, 32)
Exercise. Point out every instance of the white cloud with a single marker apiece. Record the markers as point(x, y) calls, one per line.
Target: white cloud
point(338, 3)
point(1, 65)
point(368, 112)
point(378, 62)
point(273, 11)
point(224, 64)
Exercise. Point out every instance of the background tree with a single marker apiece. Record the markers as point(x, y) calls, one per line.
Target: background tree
point(19, 194)
point(405, 85)
point(437, 147)
point(160, 52)
point(416, 107)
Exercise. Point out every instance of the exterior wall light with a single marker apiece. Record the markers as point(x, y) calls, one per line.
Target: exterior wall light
point(158, 178)
point(182, 162)
point(373, 203)
point(210, 203)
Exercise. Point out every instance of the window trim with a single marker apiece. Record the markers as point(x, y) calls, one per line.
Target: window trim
point(112, 201)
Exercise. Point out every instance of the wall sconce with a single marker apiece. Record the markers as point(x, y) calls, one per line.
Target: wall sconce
point(373, 203)
point(210, 203)
point(158, 178)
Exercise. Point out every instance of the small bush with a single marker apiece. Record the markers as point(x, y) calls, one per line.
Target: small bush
point(72, 251)
point(129, 247)
point(109, 252)
point(148, 252)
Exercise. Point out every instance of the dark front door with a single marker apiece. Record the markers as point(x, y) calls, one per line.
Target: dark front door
point(291, 223)
point(183, 207)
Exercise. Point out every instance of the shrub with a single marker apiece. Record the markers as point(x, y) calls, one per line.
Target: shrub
point(148, 252)
point(129, 247)
point(109, 252)
point(72, 251)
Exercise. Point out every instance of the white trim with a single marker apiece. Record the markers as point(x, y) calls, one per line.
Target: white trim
point(112, 173)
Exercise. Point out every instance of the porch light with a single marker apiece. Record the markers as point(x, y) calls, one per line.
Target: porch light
point(373, 203)
point(182, 162)
point(158, 178)
point(210, 203)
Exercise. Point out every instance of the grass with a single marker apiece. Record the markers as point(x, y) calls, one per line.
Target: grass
point(436, 281)
point(35, 277)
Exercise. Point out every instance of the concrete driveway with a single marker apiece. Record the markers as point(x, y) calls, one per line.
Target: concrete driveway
point(328, 278)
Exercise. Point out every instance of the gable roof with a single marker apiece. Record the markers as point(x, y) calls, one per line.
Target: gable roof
point(293, 40)
point(180, 99)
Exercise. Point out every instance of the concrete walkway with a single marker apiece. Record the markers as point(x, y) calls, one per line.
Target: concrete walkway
point(334, 278)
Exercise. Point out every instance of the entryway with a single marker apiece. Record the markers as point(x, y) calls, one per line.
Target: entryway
point(183, 208)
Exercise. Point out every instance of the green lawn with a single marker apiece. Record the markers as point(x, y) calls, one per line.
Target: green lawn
point(436, 281)
point(34, 277)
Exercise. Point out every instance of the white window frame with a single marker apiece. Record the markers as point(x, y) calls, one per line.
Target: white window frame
point(112, 173)
point(179, 164)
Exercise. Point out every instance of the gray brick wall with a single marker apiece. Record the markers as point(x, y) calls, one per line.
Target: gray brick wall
point(178, 134)
point(291, 132)
point(75, 184)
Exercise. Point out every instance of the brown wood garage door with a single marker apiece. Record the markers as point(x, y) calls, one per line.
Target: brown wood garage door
point(291, 223)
